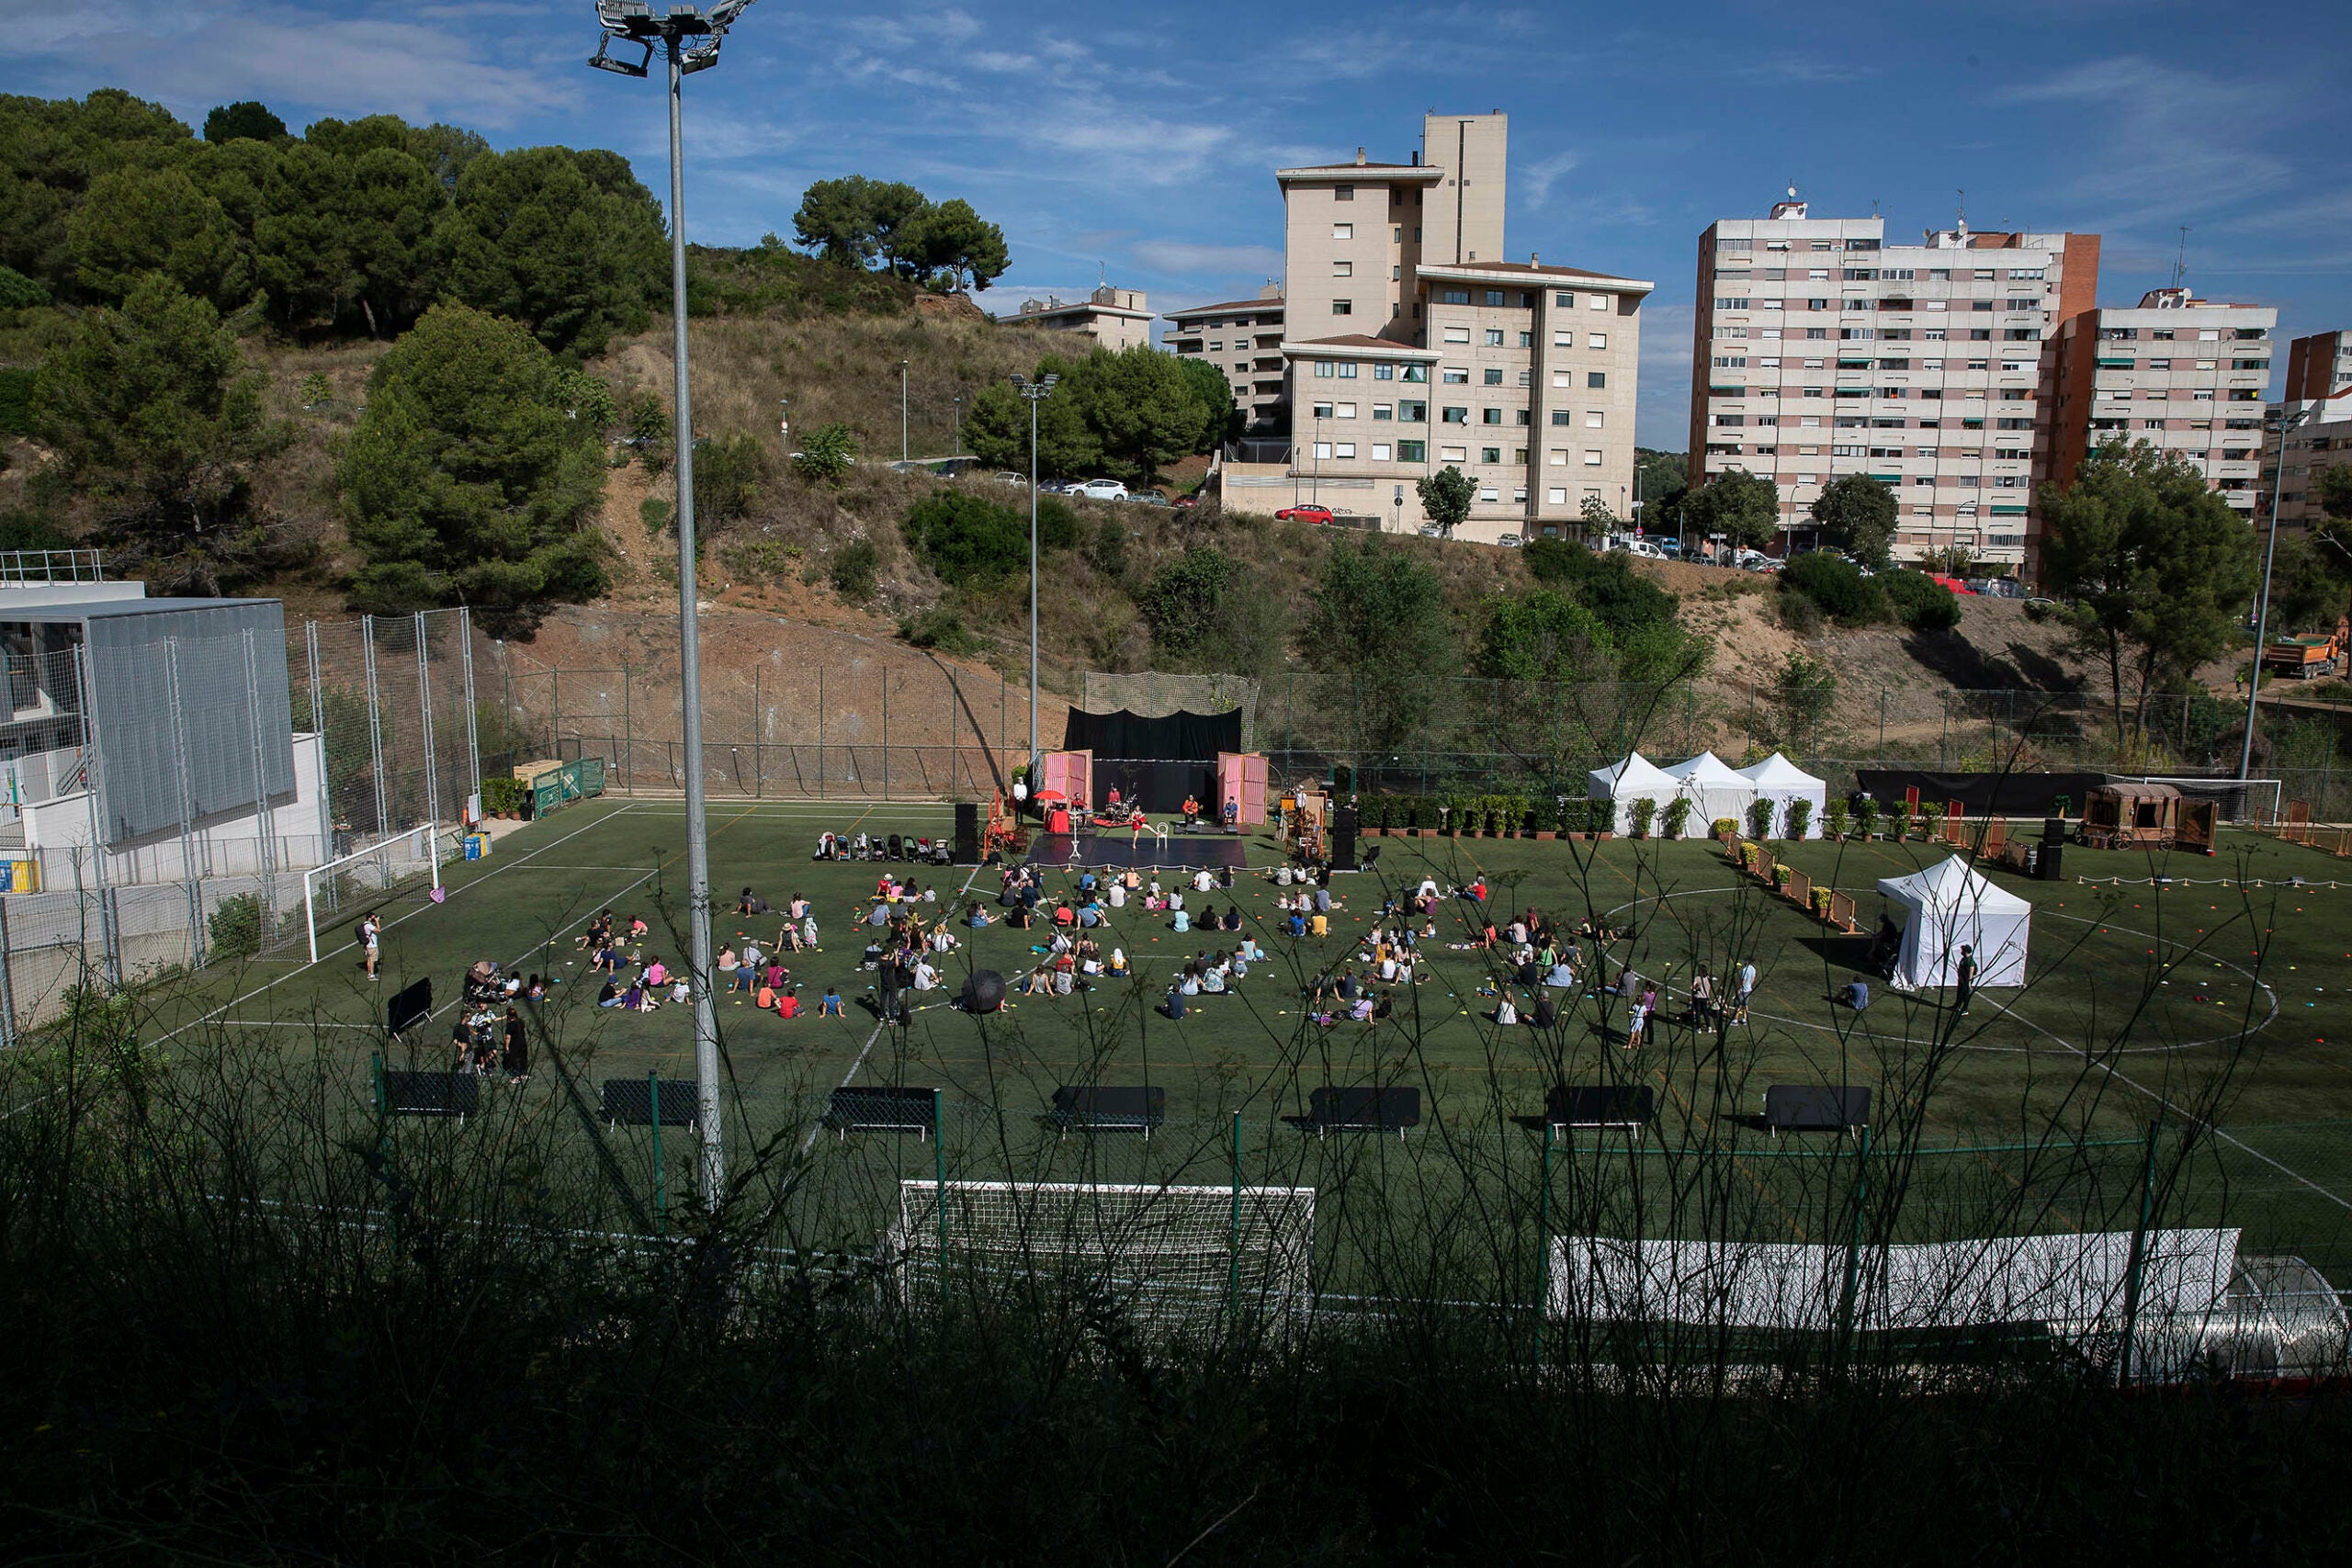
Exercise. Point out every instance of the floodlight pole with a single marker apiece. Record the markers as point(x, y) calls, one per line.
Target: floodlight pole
point(2262, 604)
point(689, 658)
point(902, 410)
point(1035, 394)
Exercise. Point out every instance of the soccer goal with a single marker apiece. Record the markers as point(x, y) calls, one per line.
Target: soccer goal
point(1167, 1253)
point(329, 890)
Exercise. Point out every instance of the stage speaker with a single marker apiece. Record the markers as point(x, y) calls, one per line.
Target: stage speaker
point(1343, 837)
point(410, 1006)
point(968, 833)
point(2048, 864)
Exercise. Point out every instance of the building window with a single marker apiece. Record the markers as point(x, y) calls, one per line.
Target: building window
point(1344, 410)
point(1454, 376)
point(1490, 454)
point(1416, 373)
point(1492, 376)
point(1562, 417)
point(1596, 301)
point(1384, 410)
point(1527, 379)
point(1565, 301)
point(1592, 418)
point(1595, 377)
point(1494, 337)
point(1343, 230)
point(1217, 348)
point(1558, 457)
point(1384, 372)
point(1591, 457)
point(1457, 334)
point(1413, 414)
point(1562, 379)
point(1322, 411)
point(1347, 369)
point(1556, 495)
point(1454, 416)
point(1490, 416)
point(1488, 492)
point(1564, 339)
point(1343, 193)
point(1597, 339)
point(1527, 340)
point(1343, 269)
point(1519, 417)
point(1343, 308)
point(1412, 451)
point(1396, 274)
point(1347, 449)
point(1397, 234)
point(1453, 296)
point(1380, 451)
point(1322, 451)
point(1325, 369)
point(1494, 297)
point(1453, 454)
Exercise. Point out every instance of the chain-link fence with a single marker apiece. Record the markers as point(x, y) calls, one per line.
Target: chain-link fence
point(126, 854)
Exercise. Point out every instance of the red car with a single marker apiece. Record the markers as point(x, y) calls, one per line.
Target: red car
point(1305, 515)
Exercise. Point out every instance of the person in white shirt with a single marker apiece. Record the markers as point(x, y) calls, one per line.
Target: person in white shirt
point(1388, 969)
point(1505, 1013)
point(1118, 895)
point(926, 977)
point(1202, 881)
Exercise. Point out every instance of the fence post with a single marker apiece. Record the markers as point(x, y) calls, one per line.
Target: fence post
point(8, 991)
point(939, 1183)
point(318, 728)
point(1543, 1247)
point(179, 767)
point(2139, 1255)
point(821, 727)
point(264, 821)
point(466, 667)
point(660, 1193)
point(431, 774)
point(93, 774)
point(1233, 1244)
point(1881, 727)
point(1846, 1299)
point(375, 729)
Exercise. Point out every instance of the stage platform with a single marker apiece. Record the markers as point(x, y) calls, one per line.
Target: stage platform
point(1178, 852)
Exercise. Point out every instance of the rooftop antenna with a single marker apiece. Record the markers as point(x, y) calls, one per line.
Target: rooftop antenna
point(2180, 263)
point(1873, 206)
point(1960, 211)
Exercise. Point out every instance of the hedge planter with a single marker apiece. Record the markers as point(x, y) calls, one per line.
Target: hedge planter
point(1544, 834)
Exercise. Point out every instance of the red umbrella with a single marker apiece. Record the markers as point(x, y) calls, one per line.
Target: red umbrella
point(1049, 794)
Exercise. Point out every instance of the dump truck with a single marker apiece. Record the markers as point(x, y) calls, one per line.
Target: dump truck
point(2308, 655)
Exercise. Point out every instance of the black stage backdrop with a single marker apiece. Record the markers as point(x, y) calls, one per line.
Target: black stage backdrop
point(2005, 794)
point(1181, 737)
point(1157, 786)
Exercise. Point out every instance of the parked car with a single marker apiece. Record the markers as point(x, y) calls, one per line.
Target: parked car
point(1431, 531)
point(1305, 515)
point(1102, 489)
point(1021, 479)
point(1954, 583)
point(1148, 498)
point(1191, 500)
point(1509, 541)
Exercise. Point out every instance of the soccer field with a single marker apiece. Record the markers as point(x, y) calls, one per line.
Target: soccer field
point(2193, 1000)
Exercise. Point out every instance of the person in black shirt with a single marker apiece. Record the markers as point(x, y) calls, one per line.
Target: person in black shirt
point(518, 1048)
point(1967, 975)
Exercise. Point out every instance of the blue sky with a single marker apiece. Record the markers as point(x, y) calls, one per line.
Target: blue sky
point(1142, 140)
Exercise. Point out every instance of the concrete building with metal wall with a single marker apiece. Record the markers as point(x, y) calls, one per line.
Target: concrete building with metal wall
point(1819, 350)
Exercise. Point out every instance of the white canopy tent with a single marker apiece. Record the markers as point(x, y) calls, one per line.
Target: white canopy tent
point(1951, 905)
point(1716, 791)
point(1784, 782)
point(1635, 778)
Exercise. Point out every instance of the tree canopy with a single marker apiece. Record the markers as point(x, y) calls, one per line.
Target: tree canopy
point(247, 121)
point(1376, 624)
point(1857, 513)
point(863, 222)
point(155, 412)
point(2162, 568)
point(467, 481)
point(1743, 507)
point(1129, 414)
point(1446, 496)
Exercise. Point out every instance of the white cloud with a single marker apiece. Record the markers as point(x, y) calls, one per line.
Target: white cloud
point(1535, 180)
point(1187, 258)
point(198, 55)
point(2165, 141)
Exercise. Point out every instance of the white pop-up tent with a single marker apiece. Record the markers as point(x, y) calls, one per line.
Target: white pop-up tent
point(1782, 782)
point(1951, 905)
point(1635, 778)
point(1716, 791)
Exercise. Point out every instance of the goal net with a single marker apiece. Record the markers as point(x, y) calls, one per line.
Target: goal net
point(345, 886)
point(1161, 1253)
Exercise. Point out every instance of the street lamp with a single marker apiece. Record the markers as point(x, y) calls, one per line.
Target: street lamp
point(959, 426)
point(2286, 422)
point(1400, 509)
point(1035, 394)
point(784, 424)
point(902, 410)
point(689, 39)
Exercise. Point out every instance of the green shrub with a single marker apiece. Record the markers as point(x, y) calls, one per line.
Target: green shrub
point(941, 628)
point(502, 795)
point(1645, 812)
point(1866, 818)
point(1603, 816)
point(826, 454)
point(1677, 817)
point(1835, 818)
point(1543, 815)
point(1837, 585)
point(1919, 602)
point(1759, 819)
point(854, 568)
point(1800, 819)
point(16, 401)
point(234, 928)
point(968, 540)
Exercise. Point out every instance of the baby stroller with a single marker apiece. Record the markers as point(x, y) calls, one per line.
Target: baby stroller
point(862, 848)
point(824, 847)
point(894, 851)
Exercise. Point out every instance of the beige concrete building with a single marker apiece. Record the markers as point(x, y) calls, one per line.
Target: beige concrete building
point(1116, 318)
point(1413, 345)
point(1243, 338)
point(1819, 351)
point(2185, 375)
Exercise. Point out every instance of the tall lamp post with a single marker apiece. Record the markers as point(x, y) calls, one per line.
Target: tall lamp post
point(1034, 392)
point(784, 424)
point(689, 39)
point(2286, 422)
point(959, 426)
point(902, 410)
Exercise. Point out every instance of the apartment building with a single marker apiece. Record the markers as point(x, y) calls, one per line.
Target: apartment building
point(2318, 366)
point(1412, 344)
point(1243, 338)
point(1820, 350)
point(2185, 375)
point(2307, 436)
point(1116, 318)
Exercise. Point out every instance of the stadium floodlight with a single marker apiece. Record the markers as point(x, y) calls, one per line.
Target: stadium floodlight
point(689, 38)
point(1036, 392)
point(2285, 424)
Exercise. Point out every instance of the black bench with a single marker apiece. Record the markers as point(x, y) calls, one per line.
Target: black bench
point(1101, 1107)
point(628, 1102)
point(881, 1109)
point(1331, 1110)
point(1615, 1107)
point(431, 1094)
point(1816, 1108)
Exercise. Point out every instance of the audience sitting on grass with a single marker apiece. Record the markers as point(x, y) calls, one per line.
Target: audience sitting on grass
point(600, 931)
point(831, 1006)
point(1118, 963)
